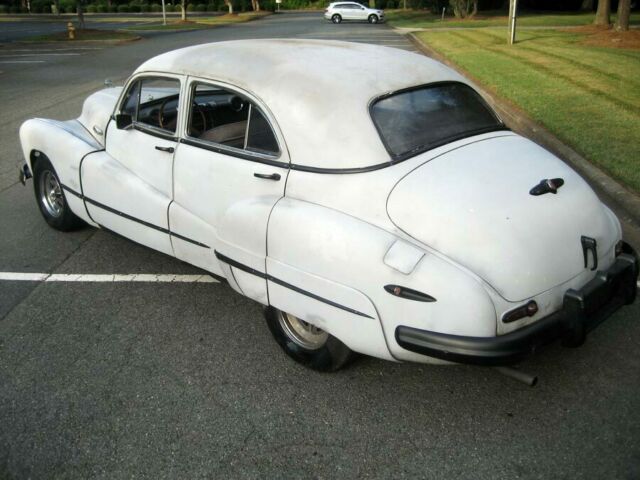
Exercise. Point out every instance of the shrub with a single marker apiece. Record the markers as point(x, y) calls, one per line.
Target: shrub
point(102, 8)
point(212, 7)
point(144, 8)
point(91, 8)
point(201, 7)
point(123, 9)
point(133, 8)
point(191, 8)
point(4, 9)
point(156, 8)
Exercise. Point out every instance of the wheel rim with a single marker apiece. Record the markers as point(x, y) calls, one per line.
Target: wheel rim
point(336, 19)
point(373, 19)
point(51, 194)
point(302, 333)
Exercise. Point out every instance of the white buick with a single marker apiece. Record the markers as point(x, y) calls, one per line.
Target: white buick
point(367, 196)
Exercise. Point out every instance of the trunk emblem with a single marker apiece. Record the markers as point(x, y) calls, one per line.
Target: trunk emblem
point(589, 244)
point(547, 185)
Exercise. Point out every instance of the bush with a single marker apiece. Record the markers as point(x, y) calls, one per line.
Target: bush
point(91, 9)
point(201, 7)
point(102, 9)
point(144, 8)
point(156, 8)
point(123, 9)
point(4, 9)
point(212, 7)
point(191, 8)
point(133, 8)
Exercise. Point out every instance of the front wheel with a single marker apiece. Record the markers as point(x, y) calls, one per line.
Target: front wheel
point(336, 19)
point(373, 19)
point(50, 197)
point(306, 343)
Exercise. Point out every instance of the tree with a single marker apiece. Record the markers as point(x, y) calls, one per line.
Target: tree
point(464, 8)
point(604, 12)
point(255, 4)
point(229, 4)
point(624, 10)
point(80, 12)
point(183, 9)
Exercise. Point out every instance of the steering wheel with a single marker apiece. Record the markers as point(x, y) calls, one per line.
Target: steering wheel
point(198, 121)
point(170, 122)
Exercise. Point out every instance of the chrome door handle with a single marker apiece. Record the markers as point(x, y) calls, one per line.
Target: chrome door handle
point(267, 176)
point(97, 130)
point(165, 149)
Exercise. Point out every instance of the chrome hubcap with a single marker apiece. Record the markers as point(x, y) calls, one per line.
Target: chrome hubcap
point(51, 194)
point(302, 333)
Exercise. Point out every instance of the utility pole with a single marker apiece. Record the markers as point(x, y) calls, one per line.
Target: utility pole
point(513, 13)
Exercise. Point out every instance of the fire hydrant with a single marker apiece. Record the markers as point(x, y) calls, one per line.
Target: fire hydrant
point(71, 30)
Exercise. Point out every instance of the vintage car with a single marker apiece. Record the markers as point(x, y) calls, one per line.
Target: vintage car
point(367, 196)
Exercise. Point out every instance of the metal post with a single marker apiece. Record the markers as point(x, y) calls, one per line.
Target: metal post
point(512, 36)
point(164, 14)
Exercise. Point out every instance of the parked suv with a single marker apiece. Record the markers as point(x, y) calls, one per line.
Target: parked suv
point(339, 11)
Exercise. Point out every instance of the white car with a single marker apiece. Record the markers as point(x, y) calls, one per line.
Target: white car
point(339, 11)
point(401, 219)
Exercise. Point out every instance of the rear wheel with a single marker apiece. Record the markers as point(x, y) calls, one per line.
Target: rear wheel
point(336, 18)
point(373, 19)
point(306, 343)
point(50, 197)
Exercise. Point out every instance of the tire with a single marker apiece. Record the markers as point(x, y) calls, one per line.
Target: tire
point(322, 352)
point(373, 18)
point(336, 19)
point(51, 198)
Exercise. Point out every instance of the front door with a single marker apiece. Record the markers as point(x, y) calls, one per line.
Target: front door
point(230, 170)
point(128, 187)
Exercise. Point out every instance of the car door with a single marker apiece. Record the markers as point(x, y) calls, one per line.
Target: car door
point(128, 187)
point(348, 11)
point(360, 13)
point(229, 172)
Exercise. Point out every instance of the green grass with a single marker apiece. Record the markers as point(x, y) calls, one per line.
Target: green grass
point(589, 97)
point(197, 23)
point(86, 35)
point(424, 19)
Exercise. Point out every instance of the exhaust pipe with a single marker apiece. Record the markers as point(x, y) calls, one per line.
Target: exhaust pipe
point(530, 380)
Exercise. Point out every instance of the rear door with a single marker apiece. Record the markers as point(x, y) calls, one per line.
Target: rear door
point(128, 187)
point(229, 172)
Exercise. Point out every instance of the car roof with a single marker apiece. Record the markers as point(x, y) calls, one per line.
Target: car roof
point(318, 91)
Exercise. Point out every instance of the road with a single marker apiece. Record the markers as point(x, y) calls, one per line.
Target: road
point(182, 380)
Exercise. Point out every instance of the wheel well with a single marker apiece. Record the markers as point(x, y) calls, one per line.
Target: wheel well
point(35, 156)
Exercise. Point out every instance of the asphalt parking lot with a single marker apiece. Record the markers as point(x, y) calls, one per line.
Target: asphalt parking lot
point(182, 380)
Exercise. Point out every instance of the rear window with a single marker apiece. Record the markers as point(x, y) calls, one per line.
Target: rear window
point(413, 121)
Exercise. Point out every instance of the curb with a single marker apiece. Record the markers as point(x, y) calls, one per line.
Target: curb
point(626, 200)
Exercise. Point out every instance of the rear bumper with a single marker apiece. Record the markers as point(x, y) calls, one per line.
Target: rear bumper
point(581, 312)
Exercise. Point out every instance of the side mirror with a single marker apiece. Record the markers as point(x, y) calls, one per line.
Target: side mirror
point(124, 121)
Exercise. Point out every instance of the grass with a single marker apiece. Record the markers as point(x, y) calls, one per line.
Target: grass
point(86, 35)
point(498, 18)
point(588, 96)
point(197, 23)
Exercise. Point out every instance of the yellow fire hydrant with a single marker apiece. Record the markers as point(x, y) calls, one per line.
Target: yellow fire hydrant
point(71, 30)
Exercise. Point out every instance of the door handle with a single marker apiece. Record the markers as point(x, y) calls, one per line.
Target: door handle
point(165, 149)
point(267, 176)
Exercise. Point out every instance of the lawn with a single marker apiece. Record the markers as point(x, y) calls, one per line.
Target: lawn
point(588, 96)
point(424, 19)
point(196, 23)
point(87, 34)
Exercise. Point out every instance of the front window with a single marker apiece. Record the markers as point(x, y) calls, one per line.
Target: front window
point(416, 120)
point(153, 102)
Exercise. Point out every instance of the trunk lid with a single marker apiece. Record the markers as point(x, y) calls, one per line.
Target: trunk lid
point(473, 205)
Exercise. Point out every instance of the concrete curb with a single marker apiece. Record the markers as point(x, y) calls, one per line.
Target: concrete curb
point(627, 201)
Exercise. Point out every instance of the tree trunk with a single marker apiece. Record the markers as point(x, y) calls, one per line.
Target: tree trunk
point(257, 9)
point(603, 14)
point(587, 5)
point(624, 10)
point(80, 12)
point(475, 8)
point(183, 9)
point(56, 3)
point(229, 4)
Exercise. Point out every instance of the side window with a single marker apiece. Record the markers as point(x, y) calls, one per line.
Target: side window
point(130, 104)
point(159, 98)
point(224, 117)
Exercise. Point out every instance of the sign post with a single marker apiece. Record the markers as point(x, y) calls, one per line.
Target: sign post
point(513, 9)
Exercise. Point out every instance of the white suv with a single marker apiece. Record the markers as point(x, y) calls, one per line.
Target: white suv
point(339, 11)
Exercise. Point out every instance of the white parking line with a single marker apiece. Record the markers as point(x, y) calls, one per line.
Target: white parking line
point(109, 278)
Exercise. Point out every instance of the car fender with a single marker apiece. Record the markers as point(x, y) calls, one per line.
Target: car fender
point(65, 144)
point(351, 263)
